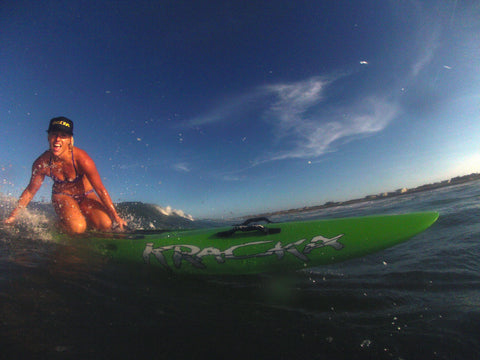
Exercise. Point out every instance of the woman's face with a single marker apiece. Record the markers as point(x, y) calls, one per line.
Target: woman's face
point(59, 142)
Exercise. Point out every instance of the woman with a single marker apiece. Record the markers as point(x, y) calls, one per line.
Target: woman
point(78, 194)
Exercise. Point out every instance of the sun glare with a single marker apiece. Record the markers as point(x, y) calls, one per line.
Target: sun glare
point(466, 165)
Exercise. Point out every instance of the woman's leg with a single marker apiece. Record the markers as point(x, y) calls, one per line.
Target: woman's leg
point(70, 214)
point(95, 213)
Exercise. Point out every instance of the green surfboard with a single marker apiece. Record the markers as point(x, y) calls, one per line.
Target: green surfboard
point(253, 247)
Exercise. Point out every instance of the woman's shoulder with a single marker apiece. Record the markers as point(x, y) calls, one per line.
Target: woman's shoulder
point(81, 156)
point(80, 153)
point(45, 157)
point(42, 161)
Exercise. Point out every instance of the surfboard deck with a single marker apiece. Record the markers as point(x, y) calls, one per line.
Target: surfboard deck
point(275, 247)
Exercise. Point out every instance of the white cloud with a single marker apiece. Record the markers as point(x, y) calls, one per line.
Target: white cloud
point(228, 108)
point(428, 42)
point(425, 59)
point(182, 167)
point(297, 116)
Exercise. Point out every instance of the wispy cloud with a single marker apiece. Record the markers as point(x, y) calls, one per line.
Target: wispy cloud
point(233, 106)
point(427, 43)
point(303, 125)
point(314, 133)
point(427, 53)
point(181, 167)
point(423, 61)
point(293, 100)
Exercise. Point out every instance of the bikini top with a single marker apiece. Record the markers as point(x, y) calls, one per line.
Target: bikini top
point(66, 181)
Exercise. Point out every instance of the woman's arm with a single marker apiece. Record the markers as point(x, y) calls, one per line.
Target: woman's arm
point(89, 168)
point(36, 181)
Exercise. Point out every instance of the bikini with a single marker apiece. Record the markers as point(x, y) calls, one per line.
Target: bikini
point(77, 197)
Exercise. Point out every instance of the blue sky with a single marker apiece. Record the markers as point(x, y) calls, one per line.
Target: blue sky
point(224, 108)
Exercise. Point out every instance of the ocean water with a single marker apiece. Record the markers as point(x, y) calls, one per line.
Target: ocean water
point(418, 300)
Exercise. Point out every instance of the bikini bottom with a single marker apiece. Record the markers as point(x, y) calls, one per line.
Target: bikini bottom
point(77, 197)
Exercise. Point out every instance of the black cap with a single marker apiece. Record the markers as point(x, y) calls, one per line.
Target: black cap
point(61, 124)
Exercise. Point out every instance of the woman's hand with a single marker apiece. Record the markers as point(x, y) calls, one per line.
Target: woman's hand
point(9, 221)
point(121, 223)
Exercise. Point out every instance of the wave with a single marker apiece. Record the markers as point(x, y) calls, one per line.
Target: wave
point(139, 216)
point(151, 216)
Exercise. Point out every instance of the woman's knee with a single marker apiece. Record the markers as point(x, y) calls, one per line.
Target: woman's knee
point(75, 226)
point(70, 215)
point(103, 221)
point(99, 219)
point(96, 215)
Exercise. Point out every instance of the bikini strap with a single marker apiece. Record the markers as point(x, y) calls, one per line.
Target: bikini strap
point(73, 161)
point(50, 165)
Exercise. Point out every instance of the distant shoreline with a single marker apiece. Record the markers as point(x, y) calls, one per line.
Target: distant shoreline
point(399, 192)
